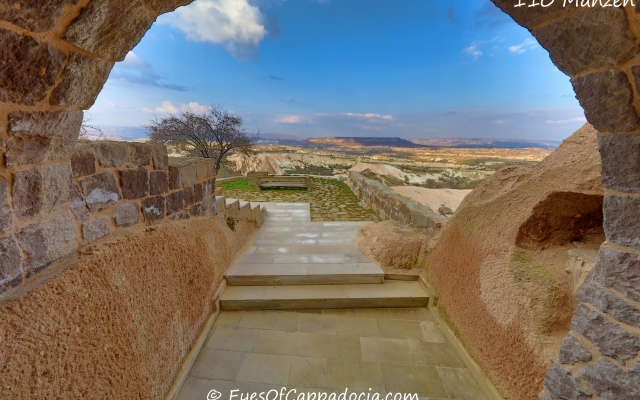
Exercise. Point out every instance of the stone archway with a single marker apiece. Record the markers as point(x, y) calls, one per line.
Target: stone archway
point(57, 54)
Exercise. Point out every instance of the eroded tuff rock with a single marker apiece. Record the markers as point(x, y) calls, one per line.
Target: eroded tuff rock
point(499, 266)
point(395, 246)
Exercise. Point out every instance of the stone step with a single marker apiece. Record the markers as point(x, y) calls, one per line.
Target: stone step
point(304, 274)
point(386, 295)
point(321, 258)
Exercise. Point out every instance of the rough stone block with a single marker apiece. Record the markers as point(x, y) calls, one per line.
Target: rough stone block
point(135, 183)
point(609, 381)
point(188, 196)
point(10, 271)
point(77, 205)
point(210, 187)
point(29, 68)
point(34, 15)
point(55, 189)
point(196, 210)
point(6, 216)
point(41, 189)
point(609, 303)
point(100, 191)
point(94, 230)
point(163, 6)
point(158, 182)
point(82, 80)
point(174, 177)
point(27, 189)
point(37, 136)
point(182, 215)
point(543, 396)
point(188, 175)
point(620, 161)
point(619, 271)
point(153, 208)
point(634, 371)
point(622, 220)
point(127, 214)
point(83, 161)
point(198, 192)
point(606, 98)
point(562, 385)
point(174, 203)
point(140, 154)
point(202, 171)
point(26, 149)
point(571, 51)
point(608, 337)
point(47, 242)
point(109, 28)
point(160, 156)
point(111, 154)
point(572, 351)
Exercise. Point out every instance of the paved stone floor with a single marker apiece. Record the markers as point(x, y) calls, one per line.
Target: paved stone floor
point(330, 199)
point(365, 350)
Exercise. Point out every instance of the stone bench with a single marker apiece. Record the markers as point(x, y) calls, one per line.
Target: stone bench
point(283, 181)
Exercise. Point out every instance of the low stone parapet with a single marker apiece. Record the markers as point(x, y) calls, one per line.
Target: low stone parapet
point(388, 204)
point(49, 211)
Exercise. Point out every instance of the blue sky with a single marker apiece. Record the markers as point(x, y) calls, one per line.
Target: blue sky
point(407, 68)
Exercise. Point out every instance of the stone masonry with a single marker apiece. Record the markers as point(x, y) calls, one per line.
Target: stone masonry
point(54, 209)
point(388, 204)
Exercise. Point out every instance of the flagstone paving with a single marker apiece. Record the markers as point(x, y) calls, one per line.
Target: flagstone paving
point(294, 263)
point(376, 350)
point(330, 199)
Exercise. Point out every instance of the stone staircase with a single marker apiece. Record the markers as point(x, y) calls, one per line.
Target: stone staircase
point(294, 263)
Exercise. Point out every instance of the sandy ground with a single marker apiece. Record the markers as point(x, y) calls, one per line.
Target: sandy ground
point(433, 198)
point(389, 170)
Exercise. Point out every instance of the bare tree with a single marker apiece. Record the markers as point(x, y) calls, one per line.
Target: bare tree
point(214, 133)
point(88, 131)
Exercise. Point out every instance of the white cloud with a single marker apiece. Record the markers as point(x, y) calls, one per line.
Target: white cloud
point(500, 121)
point(132, 60)
point(568, 121)
point(370, 116)
point(236, 24)
point(524, 46)
point(473, 51)
point(169, 108)
point(292, 119)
